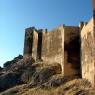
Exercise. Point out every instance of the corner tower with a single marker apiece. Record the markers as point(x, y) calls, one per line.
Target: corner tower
point(30, 43)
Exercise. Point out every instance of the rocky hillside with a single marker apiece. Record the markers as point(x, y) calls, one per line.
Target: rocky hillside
point(24, 76)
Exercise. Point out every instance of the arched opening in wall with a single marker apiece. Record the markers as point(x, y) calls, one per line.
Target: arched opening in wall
point(39, 46)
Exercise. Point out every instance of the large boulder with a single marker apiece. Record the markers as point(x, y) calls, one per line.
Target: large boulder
point(43, 74)
point(12, 75)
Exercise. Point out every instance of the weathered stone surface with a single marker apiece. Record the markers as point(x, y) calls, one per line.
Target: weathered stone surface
point(30, 43)
point(50, 46)
point(88, 52)
point(88, 49)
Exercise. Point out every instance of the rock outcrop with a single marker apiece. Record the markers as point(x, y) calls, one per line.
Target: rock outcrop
point(26, 70)
point(27, 74)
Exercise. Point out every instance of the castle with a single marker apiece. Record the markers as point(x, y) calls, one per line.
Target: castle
point(73, 47)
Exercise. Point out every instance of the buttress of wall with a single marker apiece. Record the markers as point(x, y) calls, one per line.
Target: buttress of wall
point(28, 42)
point(44, 44)
point(35, 43)
point(52, 46)
point(71, 50)
point(88, 51)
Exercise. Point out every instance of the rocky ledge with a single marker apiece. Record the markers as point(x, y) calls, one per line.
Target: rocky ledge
point(25, 76)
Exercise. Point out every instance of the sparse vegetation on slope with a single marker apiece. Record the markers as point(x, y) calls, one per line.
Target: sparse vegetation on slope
point(27, 77)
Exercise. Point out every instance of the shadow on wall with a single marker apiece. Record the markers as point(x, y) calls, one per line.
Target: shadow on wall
point(39, 46)
point(73, 53)
point(28, 45)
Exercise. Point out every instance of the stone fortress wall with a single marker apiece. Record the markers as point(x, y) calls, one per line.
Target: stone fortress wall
point(61, 45)
point(70, 46)
point(73, 47)
point(88, 49)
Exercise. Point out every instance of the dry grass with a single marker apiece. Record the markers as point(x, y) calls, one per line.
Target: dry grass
point(75, 87)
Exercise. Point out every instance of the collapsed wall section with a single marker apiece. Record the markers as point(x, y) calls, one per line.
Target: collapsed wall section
point(54, 49)
point(71, 50)
point(94, 33)
point(88, 52)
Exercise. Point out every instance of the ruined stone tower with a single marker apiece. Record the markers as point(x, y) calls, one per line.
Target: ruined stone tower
point(61, 45)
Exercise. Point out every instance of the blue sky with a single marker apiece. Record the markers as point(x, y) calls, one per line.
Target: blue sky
point(16, 15)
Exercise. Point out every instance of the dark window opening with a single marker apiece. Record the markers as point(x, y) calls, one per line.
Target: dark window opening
point(73, 50)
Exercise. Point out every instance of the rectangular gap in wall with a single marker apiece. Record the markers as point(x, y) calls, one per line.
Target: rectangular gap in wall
point(39, 46)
